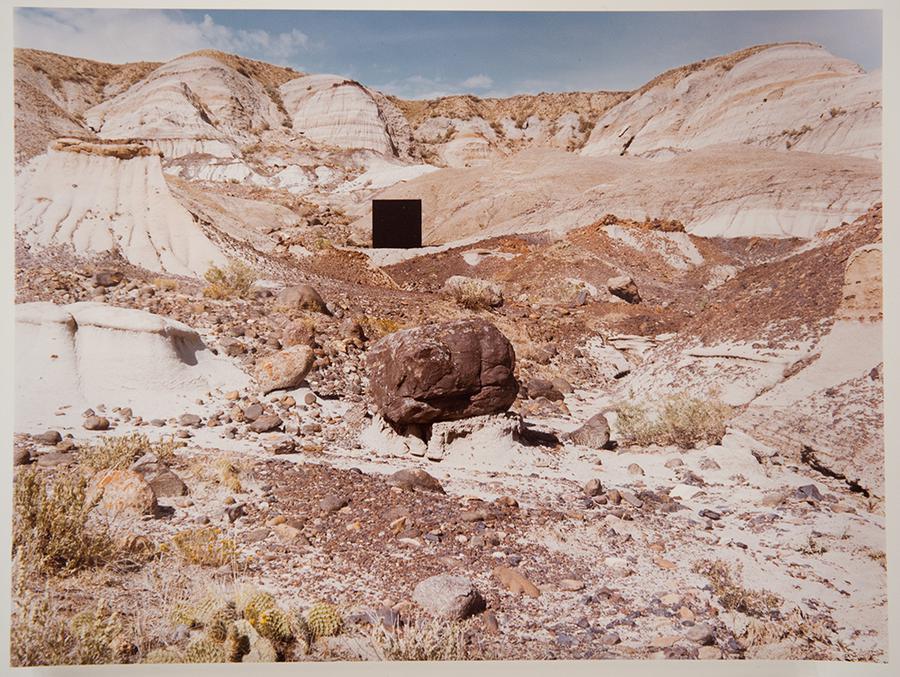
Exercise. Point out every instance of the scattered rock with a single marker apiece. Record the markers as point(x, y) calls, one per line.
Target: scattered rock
point(332, 503)
point(624, 287)
point(55, 459)
point(593, 487)
point(285, 369)
point(121, 492)
point(700, 633)
point(299, 333)
point(593, 433)
point(571, 585)
point(538, 387)
point(21, 456)
point(50, 438)
point(189, 420)
point(266, 423)
point(447, 596)
point(302, 297)
point(515, 582)
point(96, 423)
point(415, 478)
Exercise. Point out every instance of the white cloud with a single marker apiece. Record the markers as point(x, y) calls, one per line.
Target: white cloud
point(421, 87)
point(480, 81)
point(118, 36)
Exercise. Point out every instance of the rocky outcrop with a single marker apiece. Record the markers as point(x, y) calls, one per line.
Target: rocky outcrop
point(442, 372)
point(81, 351)
point(336, 111)
point(103, 197)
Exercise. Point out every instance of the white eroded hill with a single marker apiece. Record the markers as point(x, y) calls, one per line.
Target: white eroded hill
point(99, 197)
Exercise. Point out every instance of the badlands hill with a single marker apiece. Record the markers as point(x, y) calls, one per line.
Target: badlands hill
point(774, 140)
point(671, 442)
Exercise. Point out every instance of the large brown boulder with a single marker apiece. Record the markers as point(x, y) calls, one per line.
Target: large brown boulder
point(301, 297)
point(442, 372)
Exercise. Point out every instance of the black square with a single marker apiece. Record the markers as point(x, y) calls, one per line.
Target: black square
point(396, 224)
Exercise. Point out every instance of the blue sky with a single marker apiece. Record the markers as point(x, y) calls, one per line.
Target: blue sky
point(427, 54)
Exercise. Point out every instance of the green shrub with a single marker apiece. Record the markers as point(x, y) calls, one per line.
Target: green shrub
point(682, 420)
point(234, 281)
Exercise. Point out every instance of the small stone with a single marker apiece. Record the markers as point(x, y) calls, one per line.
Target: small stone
point(710, 514)
point(571, 585)
point(55, 459)
point(121, 492)
point(507, 502)
point(709, 653)
point(266, 423)
point(233, 512)
point(332, 503)
point(610, 639)
point(414, 478)
point(50, 438)
point(96, 423)
point(287, 533)
point(700, 633)
point(635, 469)
point(674, 463)
point(448, 596)
point(515, 582)
point(663, 642)
point(253, 412)
point(189, 420)
point(309, 398)
point(630, 498)
point(593, 487)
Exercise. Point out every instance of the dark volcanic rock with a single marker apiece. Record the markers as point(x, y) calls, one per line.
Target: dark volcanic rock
point(442, 372)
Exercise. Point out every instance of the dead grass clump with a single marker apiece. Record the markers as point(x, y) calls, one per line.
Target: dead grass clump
point(233, 281)
point(732, 595)
point(420, 640)
point(50, 532)
point(682, 420)
point(474, 295)
point(205, 546)
point(118, 453)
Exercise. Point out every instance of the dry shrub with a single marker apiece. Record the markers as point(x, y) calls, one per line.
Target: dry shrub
point(205, 546)
point(473, 295)
point(118, 453)
point(732, 595)
point(50, 531)
point(683, 421)
point(420, 640)
point(234, 281)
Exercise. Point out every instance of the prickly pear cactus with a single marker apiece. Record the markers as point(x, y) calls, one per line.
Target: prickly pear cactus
point(274, 624)
point(205, 651)
point(323, 620)
point(163, 656)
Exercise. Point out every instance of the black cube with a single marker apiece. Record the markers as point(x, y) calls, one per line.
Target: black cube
point(396, 224)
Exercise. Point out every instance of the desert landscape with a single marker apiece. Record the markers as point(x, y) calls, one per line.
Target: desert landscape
point(624, 402)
